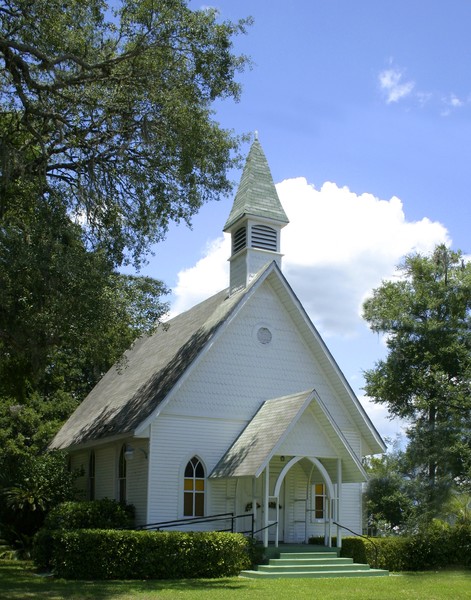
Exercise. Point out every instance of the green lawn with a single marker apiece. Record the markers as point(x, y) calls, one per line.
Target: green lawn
point(18, 581)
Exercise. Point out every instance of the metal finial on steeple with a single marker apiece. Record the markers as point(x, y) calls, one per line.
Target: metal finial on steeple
point(256, 134)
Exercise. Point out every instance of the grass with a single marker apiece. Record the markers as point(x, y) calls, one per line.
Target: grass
point(18, 581)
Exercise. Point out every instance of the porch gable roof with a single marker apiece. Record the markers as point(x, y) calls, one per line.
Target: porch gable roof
point(265, 433)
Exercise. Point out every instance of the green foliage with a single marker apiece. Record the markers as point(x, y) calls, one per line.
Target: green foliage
point(425, 379)
point(436, 546)
point(37, 484)
point(356, 548)
point(72, 515)
point(31, 480)
point(108, 107)
point(389, 495)
point(112, 554)
point(458, 509)
point(65, 315)
point(91, 514)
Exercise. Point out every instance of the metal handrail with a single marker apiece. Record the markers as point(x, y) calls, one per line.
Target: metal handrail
point(195, 520)
point(365, 537)
point(266, 527)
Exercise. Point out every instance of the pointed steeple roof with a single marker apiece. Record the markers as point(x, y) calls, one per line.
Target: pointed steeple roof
point(257, 195)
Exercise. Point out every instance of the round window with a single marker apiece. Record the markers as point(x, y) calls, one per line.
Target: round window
point(264, 335)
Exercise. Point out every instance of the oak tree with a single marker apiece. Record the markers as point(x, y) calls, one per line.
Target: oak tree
point(109, 106)
point(425, 316)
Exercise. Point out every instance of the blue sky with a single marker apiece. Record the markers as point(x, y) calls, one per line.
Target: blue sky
point(363, 110)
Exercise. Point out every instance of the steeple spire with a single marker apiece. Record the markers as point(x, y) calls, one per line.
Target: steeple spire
point(255, 220)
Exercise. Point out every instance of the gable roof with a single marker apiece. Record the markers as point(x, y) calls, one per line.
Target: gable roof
point(266, 432)
point(256, 195)
point(257, 443)
point(132, 389)
point(131, 392)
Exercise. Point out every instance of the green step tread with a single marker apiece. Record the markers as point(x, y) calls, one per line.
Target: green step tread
point(315, 575)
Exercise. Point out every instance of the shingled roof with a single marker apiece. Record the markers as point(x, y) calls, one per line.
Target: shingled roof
point(256, 195)
point(264, 434)
point(249, 453)
point(132, 389)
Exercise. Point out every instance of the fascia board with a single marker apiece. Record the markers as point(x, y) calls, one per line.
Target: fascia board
point(340, 435)
point(302, 314)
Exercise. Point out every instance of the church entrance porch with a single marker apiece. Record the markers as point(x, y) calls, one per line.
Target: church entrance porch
point(300, 501)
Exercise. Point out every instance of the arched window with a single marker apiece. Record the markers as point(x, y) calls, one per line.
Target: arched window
point(193, 494)
point(91, 475)
point(122, 475)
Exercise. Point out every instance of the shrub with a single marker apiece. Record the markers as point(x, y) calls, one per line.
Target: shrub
point(460, 542)
point(430, 548)
point(70, 516)
point(356, 548)
point(437, 546)
point(114, 554)
point(91, 514)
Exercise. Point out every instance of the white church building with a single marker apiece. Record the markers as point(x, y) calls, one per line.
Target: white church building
point(234, 414)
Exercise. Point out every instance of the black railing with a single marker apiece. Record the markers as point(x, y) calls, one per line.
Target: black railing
point(223, 517)
point(365, 537)
point(263, 528)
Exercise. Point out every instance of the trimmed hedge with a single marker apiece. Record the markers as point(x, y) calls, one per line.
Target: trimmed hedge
point(113, 554)
point(91, 514)
point(438, 547)
point(387, 553)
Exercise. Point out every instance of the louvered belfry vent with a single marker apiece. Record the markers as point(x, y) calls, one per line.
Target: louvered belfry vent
point(239, 240)
point(264, 237)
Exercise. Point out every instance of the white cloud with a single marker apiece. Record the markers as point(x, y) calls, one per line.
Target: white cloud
point(392, 84)
point(395, 87)
point(209, 275)
point(451, 103)
point(337, 247)
point(455, 101)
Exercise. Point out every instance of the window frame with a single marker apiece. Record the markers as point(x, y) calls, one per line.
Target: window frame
point(122, 475)
point(318, 502)
point(91, 475)
point(194, 488)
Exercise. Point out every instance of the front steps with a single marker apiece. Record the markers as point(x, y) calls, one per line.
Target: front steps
point(312, 564)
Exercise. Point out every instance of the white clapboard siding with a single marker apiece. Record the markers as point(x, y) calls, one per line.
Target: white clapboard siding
point(308, 438)
point(238, 372)
point(351, 510)
point(174, 441)
point(136, 480)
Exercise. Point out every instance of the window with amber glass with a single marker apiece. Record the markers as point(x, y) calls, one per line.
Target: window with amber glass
point(319, 500)
point(193, 494)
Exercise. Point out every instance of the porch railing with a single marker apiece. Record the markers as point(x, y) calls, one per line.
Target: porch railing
point(365, 537)
point(272, 524)
point(229, 518)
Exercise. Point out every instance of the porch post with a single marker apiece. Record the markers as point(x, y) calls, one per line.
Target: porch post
point(339, 503)
point(254, 500)
point(265, 505)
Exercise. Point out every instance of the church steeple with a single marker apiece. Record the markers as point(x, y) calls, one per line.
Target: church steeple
point(255, 220)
